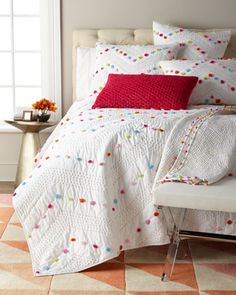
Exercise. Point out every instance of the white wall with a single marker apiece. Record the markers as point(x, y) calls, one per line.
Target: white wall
point(9, 152)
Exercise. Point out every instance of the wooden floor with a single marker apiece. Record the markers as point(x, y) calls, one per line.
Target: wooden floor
point(6, 187)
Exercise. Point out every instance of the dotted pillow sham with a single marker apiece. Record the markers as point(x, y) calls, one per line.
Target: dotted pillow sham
point(193, 45)
point(217, 79)
point(128, 59)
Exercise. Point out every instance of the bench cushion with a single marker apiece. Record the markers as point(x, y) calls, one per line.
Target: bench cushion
point(220, 196)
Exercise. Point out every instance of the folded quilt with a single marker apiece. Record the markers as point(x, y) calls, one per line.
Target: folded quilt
point(204, 153)
point(89, 195)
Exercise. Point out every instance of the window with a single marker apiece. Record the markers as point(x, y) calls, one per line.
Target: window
point(29, 54)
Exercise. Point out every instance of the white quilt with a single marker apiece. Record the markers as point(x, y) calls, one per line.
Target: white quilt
point(89, 196)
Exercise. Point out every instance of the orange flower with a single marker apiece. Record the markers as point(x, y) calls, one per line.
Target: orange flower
point(45, 105)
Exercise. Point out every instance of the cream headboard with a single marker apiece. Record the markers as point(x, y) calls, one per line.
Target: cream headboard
point(88, 38)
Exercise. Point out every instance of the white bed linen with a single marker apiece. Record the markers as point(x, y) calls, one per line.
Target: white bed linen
point(85, 65)
point(89, 196)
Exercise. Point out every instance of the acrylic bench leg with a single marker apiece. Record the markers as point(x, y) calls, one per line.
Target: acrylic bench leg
point(173, 249)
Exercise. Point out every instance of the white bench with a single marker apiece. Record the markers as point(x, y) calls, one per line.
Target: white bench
point(220, 196)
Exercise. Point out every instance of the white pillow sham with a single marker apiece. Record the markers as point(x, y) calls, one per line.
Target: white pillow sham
point(193, 45)
point(217, 79)
point(85, 64)
point(128, 59)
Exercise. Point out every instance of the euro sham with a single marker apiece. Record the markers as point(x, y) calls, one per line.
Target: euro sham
point(193, 45)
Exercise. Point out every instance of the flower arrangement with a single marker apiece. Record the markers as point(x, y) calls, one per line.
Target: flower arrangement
point(44, 106)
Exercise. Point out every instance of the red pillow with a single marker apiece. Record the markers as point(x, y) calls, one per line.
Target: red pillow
point(146, 92)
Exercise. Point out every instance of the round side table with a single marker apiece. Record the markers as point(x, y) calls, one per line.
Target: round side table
point(30, 145)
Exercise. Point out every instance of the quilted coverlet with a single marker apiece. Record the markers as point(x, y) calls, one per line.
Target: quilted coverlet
point(89, 195)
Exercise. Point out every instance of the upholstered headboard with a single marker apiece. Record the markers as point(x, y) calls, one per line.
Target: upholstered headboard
point(88, 38)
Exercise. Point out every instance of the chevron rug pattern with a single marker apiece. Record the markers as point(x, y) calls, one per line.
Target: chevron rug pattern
point(207, 269)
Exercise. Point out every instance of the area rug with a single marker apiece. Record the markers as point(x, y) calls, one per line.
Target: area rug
point(208, 268)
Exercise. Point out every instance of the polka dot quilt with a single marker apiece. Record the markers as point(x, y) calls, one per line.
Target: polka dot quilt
point(89, 196)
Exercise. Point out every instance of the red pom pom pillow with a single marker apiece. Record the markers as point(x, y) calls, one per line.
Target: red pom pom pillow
point(146, 92)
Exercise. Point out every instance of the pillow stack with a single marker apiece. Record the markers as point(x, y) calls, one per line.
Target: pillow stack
point(201, 55)
point(164, 75)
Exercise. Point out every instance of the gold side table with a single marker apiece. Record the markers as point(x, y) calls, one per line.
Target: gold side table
point(30, 145)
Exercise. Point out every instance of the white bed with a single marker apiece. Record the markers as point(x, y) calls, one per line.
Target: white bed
point(88, 39)
point(89, 196)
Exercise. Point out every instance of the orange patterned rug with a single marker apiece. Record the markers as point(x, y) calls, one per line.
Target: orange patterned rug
point(209, 268)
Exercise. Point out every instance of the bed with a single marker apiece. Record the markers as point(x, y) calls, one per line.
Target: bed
point(89, 196)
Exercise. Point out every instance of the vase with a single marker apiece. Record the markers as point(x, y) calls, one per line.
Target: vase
point(43, 117)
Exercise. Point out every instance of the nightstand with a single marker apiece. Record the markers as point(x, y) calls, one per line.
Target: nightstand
point(30, 145)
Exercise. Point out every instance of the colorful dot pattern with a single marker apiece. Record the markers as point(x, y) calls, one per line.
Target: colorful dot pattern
point(124, 59)
point(89, 196)
point(193, 45)
point(217, 79)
